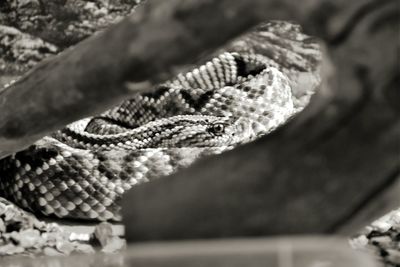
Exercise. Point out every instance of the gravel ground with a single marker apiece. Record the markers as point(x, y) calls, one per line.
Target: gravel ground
point(21, 233)
point(381, 238)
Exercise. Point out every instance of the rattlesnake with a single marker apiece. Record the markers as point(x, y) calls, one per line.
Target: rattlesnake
point(83, 170)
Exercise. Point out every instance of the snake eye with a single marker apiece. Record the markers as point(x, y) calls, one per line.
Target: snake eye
point(217, 128)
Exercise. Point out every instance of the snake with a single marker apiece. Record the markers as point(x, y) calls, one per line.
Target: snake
point(83, 170)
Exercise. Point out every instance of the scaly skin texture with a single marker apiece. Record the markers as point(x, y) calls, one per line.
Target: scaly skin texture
point(83, 170)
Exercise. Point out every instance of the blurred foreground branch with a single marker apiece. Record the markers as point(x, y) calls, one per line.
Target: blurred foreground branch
point(140, 50)
point(315, 174)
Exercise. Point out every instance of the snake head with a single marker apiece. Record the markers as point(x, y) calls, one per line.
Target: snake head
point(232, 131)
point(203, 131)
point(212, 131)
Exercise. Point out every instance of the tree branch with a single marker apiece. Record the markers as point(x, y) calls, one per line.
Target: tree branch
point(312, 175)
point(144, 48)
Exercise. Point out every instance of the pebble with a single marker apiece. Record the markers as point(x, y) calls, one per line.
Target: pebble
point(384, 242)
point(381, 226)
point(84, 248)
point(382, 238)
point(359, 242)
point(393, 255)
point(103, 233)
point(10, 249)
point(2, 226)
point(396, 221)
point(3, 208)
point(115, 244)
point(65, 247)
point(28, 238)
point(11, 214)
point(49, 251)
point(79, 237)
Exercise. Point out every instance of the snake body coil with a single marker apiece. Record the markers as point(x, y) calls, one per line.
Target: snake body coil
point(82, 170)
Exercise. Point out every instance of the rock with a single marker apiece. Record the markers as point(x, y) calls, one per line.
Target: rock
point(28, 238)
point(82, 237)
point(49, 251)
point(393, 256)
point(65, 247)
point(359, 242)
point(382, 238)
point(382, 241)
point(3, 207)
point(115, 244)
point(10, 249)
point(51, 238)
point(103, 233)
point(395, 219)
point(11, 214)
point(381, 225)
point(83, 248)
point(2, 226)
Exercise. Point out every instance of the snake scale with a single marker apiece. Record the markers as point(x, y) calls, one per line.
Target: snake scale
point(83, 170)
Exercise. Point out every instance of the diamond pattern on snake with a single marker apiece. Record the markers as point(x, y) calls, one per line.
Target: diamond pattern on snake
point(83, 170)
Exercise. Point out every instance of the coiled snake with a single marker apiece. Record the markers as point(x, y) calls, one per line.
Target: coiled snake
point(83, 170)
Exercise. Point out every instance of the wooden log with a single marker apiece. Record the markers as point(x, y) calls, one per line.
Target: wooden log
point(315, 173)
point(278, 252)
point(129, 57)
